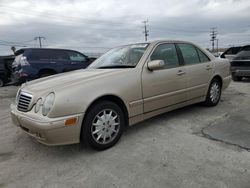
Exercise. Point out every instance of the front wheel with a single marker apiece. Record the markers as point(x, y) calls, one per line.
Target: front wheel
point(214, 93)
point(103, 125)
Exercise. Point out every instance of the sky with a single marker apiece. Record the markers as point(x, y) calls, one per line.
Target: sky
point(95, 26)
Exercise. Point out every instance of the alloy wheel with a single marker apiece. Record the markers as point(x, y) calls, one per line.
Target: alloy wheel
point(105, 126)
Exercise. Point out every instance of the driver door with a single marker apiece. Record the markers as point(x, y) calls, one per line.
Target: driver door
point(167, 86)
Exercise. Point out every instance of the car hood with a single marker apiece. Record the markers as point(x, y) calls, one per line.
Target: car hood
point(66, 79)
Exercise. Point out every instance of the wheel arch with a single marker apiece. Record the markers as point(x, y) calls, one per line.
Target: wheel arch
point(218, 77)
point(112, 98)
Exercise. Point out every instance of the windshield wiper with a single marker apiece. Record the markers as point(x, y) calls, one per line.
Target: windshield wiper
point(116, 66)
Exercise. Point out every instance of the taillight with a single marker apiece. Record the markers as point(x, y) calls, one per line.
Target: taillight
point(23, 61)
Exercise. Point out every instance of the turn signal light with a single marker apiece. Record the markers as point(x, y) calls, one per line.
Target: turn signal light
point(70, 122)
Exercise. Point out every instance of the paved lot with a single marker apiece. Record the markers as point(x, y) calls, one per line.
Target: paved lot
point(167, 151)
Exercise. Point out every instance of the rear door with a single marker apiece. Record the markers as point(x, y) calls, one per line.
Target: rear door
point(77, 60)
point(199, 70)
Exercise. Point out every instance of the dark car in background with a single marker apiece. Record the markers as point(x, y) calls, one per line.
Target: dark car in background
point(33, 63)
point(240, 65)
point(5, 69)
point(231, 52)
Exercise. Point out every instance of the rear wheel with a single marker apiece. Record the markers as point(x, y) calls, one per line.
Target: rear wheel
point(103, 125)
point(214, 93)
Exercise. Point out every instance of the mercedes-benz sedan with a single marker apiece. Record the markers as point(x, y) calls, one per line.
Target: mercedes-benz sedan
point(126, 85)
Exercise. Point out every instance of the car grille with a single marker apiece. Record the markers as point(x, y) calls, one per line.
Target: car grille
point(23, 101)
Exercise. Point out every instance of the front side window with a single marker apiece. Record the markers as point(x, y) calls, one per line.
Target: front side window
point(121, 57)
point(189, 54)
point(74, 56)
point(167, 53)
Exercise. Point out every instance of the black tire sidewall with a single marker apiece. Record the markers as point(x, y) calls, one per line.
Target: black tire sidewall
point(86, 136)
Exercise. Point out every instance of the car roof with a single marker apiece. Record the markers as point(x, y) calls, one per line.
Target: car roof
point(22, 50)
point(44, 49)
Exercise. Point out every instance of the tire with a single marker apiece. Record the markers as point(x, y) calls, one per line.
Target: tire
point(214, 93)
point(103, 125)
point(1, 82)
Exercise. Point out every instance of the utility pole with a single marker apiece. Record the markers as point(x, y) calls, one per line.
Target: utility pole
point(213, 34)
point(217, 44)
point(146, 31)
point(40, 40)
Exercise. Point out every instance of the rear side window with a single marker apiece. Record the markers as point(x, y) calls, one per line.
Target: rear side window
point(58, 55)
point(203, 57)
point(47, 55)
point(167, 53)
point(74, 56)
point(189, 54)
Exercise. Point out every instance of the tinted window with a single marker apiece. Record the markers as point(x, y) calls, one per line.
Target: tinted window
point(58, 55)
point(202, 56)
point(74, 56)
point(246, 48)
point(167, 53)
point(243, 55)
point(47, 55)
point(232, 50)
point(189, 54)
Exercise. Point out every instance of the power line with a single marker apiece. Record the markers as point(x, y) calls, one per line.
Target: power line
point(3, 44)
point(16, 43)
point(146, 31)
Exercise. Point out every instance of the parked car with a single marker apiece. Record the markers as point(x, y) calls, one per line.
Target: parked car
point(240, 65)
point(231, 53)
point(126, 85)
point(5, 69)
point(33, 63)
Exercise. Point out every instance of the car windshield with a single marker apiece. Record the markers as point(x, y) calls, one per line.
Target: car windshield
point(120, 57)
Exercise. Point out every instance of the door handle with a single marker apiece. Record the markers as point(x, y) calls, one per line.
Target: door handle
point(208, 67)
point(180, 72)
point(73, 63)
point(52, 62)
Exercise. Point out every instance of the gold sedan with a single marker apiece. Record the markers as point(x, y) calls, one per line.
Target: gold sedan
point(126, 85)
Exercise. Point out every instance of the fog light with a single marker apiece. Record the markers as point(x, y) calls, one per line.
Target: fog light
point(70, 122)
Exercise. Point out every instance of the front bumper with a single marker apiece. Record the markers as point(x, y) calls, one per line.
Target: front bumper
point(49, 131)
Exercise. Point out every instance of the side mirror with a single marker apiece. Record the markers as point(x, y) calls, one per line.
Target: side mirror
point(155, 65)
point(222, 56)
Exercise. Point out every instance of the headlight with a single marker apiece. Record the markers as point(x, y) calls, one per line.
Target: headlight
point(17, 94)
point(48, 103)
point(38, 105)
